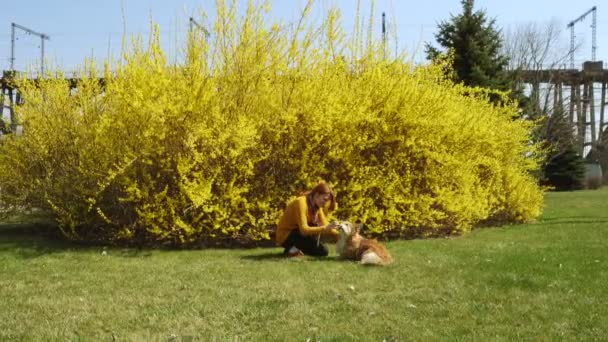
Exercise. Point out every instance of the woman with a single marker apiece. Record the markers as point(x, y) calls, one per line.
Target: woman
point(303, 222)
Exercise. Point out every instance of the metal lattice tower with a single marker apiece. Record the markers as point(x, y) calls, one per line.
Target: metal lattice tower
point(593, 34)
point(28, 31)
point(194, 23)
point(384, 34)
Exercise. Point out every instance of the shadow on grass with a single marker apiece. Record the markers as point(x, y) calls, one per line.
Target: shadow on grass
point(32, 240)
point(277, 255)
point(573, 220)
point(267, 256)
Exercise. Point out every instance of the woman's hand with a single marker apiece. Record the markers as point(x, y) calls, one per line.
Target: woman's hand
point(329, 227)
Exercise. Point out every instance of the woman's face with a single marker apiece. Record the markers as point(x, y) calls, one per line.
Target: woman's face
point(321, 199)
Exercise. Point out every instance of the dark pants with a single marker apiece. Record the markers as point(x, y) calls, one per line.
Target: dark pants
point(307, 244)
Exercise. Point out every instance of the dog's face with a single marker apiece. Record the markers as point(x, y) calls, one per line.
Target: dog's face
point(346, 228)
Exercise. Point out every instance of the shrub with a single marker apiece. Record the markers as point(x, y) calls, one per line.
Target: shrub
point(212, 148)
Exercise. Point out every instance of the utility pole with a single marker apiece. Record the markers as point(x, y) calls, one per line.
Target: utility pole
point(593, 34)
point(42, 36)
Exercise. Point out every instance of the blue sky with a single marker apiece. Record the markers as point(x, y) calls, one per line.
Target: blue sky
point(85, 28)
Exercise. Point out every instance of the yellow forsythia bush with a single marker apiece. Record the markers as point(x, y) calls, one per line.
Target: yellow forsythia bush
point(210, 148)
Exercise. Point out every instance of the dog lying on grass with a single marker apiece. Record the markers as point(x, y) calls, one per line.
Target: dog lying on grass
point(352, 245)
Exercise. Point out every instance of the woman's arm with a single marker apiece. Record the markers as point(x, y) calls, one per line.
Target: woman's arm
point(325, 224)
point(302, 220)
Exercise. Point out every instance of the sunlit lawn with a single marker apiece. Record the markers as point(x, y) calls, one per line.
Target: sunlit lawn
point(543, 281)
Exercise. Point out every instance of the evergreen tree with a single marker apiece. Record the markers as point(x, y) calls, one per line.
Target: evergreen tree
point(476, 44)
point(565, 167)
point(566, 171)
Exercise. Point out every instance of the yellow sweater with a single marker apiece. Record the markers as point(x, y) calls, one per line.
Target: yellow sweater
point(297, 216)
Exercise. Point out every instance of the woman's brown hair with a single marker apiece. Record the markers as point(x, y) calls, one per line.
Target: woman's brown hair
point(323, 188)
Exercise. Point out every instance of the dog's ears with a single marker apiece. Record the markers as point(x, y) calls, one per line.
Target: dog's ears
point(357, 227)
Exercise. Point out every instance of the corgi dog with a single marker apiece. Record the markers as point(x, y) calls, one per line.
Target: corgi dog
point(352, 245)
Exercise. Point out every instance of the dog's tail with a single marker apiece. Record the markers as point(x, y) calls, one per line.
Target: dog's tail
point(371, 258)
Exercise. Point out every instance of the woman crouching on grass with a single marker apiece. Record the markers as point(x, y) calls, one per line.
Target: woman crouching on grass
point(303, 222)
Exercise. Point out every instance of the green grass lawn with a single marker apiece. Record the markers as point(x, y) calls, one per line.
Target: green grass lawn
point(542, 281)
